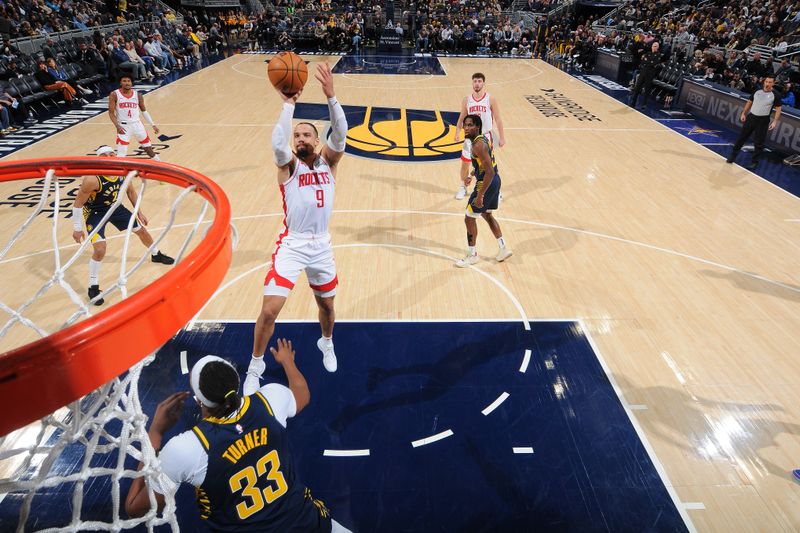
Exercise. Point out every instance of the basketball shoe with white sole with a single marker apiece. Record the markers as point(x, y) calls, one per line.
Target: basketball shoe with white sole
point(503, 254)
point(328, 355)
point(467, 260)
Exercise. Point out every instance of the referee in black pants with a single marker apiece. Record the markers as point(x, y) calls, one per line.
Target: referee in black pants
point(755, 118)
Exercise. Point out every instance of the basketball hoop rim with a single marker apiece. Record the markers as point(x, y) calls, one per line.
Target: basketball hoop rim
point(46, 374)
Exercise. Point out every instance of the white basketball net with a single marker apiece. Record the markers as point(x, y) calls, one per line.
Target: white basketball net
point(107, 425)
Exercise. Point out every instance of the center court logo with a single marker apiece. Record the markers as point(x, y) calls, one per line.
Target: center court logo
point(394, 134)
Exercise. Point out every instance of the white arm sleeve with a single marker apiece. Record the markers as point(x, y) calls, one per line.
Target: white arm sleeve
point(338, 136)
point(280, 136)
point(183, 460)
point(282, 401)
point(148, 117)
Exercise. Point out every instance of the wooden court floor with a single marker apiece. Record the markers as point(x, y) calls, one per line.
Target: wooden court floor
point(683, 269)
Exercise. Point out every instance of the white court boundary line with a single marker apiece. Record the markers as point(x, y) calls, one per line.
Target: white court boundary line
point(502, 219)
point(514, 301)
point(662, 473)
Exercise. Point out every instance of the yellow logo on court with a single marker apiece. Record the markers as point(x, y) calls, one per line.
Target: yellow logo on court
point(394, 134)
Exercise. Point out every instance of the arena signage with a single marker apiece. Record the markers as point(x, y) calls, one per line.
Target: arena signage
point(723, 106)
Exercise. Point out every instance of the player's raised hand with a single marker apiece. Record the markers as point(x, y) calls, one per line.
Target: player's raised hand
point(325, 78)
point(284, 353)
point(168, 411)
point(290, 98)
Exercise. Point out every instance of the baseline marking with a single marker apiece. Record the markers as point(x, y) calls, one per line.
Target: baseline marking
point(662, 473)
point(522, 449)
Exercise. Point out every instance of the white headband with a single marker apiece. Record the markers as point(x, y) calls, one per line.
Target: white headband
point(194, 378)
point(105, 149)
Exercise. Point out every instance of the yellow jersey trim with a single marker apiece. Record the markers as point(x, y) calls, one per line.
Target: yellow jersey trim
point(266, 403)
point(201, 437)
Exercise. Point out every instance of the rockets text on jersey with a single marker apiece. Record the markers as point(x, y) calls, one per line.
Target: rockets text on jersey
point(308, 197)
point(127, 107)
point(483, 108)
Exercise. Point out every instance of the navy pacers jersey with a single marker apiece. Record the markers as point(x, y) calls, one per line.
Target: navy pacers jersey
point(480, 172)
point(251, 484)
point(101, 200)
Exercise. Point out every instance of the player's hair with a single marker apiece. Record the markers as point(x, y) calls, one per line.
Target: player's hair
point(123, 76)
point(479, 75)
point(476, 119)
point(770, 76)
point(219, 383)
point(313, 127)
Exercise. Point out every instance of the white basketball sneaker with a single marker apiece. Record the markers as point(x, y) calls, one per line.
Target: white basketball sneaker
point(467, 260)
point(503, 254)
point(328, 355)
point(461, 193)
point(255, 370)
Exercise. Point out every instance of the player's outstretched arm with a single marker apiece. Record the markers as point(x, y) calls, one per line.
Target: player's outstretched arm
point(334, 148)
point(282, 154)
point(284, 356)
point(137, 501)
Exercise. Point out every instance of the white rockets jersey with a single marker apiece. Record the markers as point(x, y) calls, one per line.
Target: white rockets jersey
point(308, 198)
point(482, 108)
point(127, 108)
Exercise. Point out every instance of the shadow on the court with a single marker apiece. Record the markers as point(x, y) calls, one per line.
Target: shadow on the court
point(724, 178)
point(441, 375)
point(538, 185)
point(745, 282)
point(403, 184)
point(556, 241)
point(506, 488)
point(688, 155)
point(731, 432)
point(400, 236)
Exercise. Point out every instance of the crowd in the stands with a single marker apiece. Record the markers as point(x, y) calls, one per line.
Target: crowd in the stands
point(733, 44)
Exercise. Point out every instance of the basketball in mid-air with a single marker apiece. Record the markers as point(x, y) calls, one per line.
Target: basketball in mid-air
point(287, 72)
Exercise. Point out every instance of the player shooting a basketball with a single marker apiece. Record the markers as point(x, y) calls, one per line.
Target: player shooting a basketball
point(306, 181)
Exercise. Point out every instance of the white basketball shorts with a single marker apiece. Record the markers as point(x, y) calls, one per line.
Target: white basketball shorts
point(295, 254)
point(135, 129)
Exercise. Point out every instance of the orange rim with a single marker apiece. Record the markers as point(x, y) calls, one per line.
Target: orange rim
point(38, 378)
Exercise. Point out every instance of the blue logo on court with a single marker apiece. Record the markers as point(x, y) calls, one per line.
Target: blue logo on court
point(394, 134)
